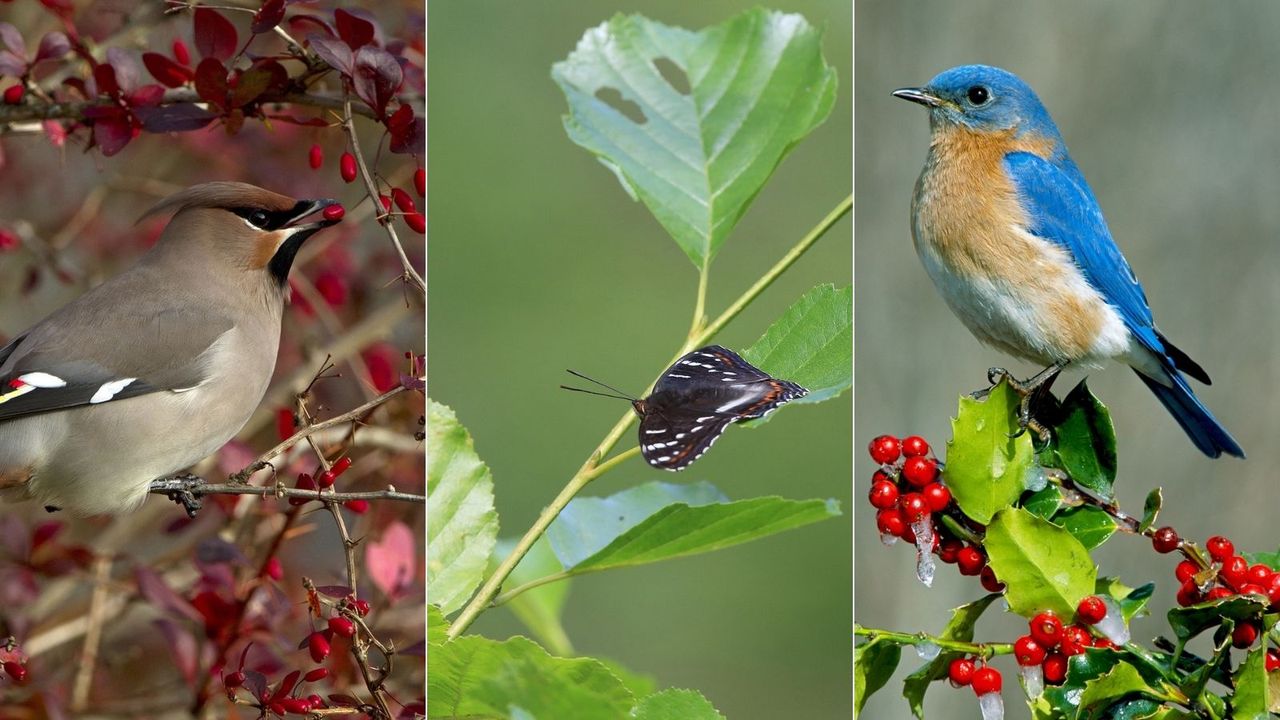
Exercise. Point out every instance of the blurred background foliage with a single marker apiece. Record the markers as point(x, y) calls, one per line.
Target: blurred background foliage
point(541, 262)
point(1169, 110)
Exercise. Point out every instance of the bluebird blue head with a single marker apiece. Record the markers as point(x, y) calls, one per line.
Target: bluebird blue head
point(982, 98)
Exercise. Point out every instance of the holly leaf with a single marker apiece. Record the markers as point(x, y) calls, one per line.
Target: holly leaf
point(1151, 510)
point(1086, 442)
point(1119, 682)
point(1252, 698)
point(1090, 525)
point(987, 467)
point(1043, 566)
point(873, 665)
point(1187, 622)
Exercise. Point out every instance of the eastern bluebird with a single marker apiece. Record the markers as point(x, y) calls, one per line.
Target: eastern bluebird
point(1012, 236)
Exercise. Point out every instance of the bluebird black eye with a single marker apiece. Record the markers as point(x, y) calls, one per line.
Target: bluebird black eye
point(979, 95)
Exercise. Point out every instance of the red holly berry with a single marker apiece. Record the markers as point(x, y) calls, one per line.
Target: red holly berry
point(1252, 589)
point(1046, 628)
point(990, 582)
point(937, 496)
point(1074, 640)
point(960, 671)
point(315, 157)
point(1244, 635)
point(885, 449)
point(1103, 643)
point(1273, 589)
point(1055, 668)
point(1027, 651)
point(180, 52)
point(1165, 540)
point(914, 506)
point(1235, 571)
point(347, 166)
point(883, 494)
point(1218, 593)
point(986, 680)
point(334, 212)
point(233, 680)
point(416, 222)
point(318, 646)
point(920, 471)
point(315, 674)
point(342, 626)
point(1185, 570)
point(891, 521)
point(358, 507)
point(403, 201)
point(1258, 574)
point(1219, 548)
point(1188, 594)
point(970, 560)
point(1273, 661)
point(914, 446)
point(273, 569)
point(948, 550)
point(1091, 610)
point(420, 182)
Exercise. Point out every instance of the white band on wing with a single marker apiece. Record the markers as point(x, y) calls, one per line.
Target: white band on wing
point(109, 390)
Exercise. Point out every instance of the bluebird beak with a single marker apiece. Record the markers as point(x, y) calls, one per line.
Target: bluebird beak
point(918, 95)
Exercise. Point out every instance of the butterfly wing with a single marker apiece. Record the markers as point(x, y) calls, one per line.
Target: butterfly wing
point(673, 437)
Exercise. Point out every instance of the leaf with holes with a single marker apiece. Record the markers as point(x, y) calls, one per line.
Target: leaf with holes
point(811, 344)
point(462, 525)
point(694, 123)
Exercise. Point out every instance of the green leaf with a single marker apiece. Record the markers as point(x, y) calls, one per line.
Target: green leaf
point(960, 627)
point(1132, 601)
point(811, 344)
point(475, 677)
point(756, 85)
point(1151, 510)
point(676, 705)
point(538, 608)
point(462, 525)
point(1090, 525)
point(986, 469)
point(1101, 693)
point(437, 626)
point(1043, 566)
point(1196, 681)
point(1187, 622)
point(640, 684)
point(1086, 442)
point(873, 665)
point(1270, 559)
point(1252, 697)
point(1044, 503)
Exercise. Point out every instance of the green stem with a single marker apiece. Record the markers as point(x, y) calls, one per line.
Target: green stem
point(593, 467)
point(700, 305)
point(983, 650)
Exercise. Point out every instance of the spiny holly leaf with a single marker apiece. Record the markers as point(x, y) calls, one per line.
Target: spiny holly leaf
point(811, 344)
point(694, 123)
point(1151, 510)
point(1121, 681)
point(1252, 699)
point(1132, 601)
point(1090, 525)
point(676, 705)
point(473, 676)
point(1187, 622)
point(1270, 559)
point(539, 608)
point(1044, 503)
point(873, 665)
point(986, 468)
point(1043, 566)
point(960, 627)
point(1086, 442)
point(462, 525)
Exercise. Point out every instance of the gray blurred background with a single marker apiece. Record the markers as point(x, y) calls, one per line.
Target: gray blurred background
point(540, 262)
point(1172, 112)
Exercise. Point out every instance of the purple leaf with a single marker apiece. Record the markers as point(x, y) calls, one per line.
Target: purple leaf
point(355, 31)
point(215, 35)
point(11, 64)
point(376, 76)
point(336, 53)
point(411, 140)
point(145, 96)
point(13, 40)
point(252, 83)
point(256, 683)
point(299, 22)
point(53, 46)
point(174, 118)
point(334, 591)
point(156, 591)
point(127, 68)
point(181, 645)
point(269, 16)
point(211, 82)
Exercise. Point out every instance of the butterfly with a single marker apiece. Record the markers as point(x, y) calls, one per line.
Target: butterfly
point(696, 399)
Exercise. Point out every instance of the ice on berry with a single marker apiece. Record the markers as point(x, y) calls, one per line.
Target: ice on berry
point(888, 539)
point(1035, 479)
point(925, 567)
point(1112, 625)
point(928, 651)
point(992, 706)
point(1032, 677)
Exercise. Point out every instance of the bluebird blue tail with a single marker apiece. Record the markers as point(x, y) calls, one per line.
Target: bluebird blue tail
point(1200, 425)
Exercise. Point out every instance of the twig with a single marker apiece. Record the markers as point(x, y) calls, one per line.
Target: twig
point(983, 650)
point(93, 637)
point(174, 96)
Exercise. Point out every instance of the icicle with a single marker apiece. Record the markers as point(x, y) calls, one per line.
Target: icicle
point(923, 528)
point(1036, 479)
point(1032, 677)
point(992, 706)
point(928, 651)
point(888, 540)
point(1112, 624)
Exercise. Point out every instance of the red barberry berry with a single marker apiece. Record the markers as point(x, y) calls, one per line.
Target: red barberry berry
point(403, 201)
point(273, 569)
point(358, 507)
point(1091, 610)
point(914, 446)
point(334, 212)
point(990, 582)
point(361, 607)
point(420, 182)
point(342, 626)
point(181, 53)
point(315, 157)
point(1074, 640)
point(233, 680)
point(970, 560)
point(1219, 548)
point(316, 674)
point(960, 671)
point(9, 240)
point(1244, 635)
point(318, 646)
point(1055, 668)
point(286, 425)
point(937, 496)
point(1165, 540)
point(385, 202)
point(416, 222)
point(325, 479)
point(13, 94)
point(347, 166)
point(295, 706)
point(341, 465)
point(920, 471)
point(1046, 628)
point(883, 494)
point(986, 680)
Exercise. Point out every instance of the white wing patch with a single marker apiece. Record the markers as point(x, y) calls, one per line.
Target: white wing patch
point(109, 390)
point(42, 380)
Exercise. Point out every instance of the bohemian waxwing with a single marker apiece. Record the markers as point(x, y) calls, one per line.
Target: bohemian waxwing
point(158, 367)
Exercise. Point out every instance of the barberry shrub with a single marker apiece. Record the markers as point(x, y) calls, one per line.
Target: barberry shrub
point(298, 587)
point(637, 93)
point(1024, 515)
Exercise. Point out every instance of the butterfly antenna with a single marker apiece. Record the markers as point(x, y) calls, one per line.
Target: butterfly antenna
point(620, 395)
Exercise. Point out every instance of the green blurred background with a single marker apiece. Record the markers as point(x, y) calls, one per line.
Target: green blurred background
point(1170, 111)
point(540, 261)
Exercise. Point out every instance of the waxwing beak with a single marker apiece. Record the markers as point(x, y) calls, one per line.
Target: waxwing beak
point(918, 95)
point(305, 208)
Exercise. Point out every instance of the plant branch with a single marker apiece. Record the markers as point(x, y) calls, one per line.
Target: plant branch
point(984, 650)
point(31, 111)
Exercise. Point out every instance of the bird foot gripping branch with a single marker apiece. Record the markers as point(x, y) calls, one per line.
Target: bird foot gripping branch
point(181, 489)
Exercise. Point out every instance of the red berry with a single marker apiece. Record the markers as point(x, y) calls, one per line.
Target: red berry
point(347, 166)
point(1165, 540)
point(1259, 574)
point(9, 240)
point(361, 607)
point(385, 201)
point(914, 506)
point(920, 471)
point(342, 626)
point(416, 221)
point(1046, 628)
point(1185, 570)
point(970, 560)
point(420, 182)
point(318, 646)
point(885, 449)
point(960, 671)
point(1273, 589)
point(914, 446)
point(1218, 593)
point(316, 701)
point(1027, 651)
point(13, 94)
point(937, 496)
point(1091, 610)
point(296, 706)
point(340, 466)
point(1074, 640)
point(285, 424)
point(1219, 548)
point(986, 680)
point(334, 212)
point(1188, 594)
point(233, 680)
point(990, 582)
point(315, 674)
point(1235, 571)
point(277, 708)
point(180, 52)
point(884, 494)
point(1252, 589)
point(325, 479)
point(273, 569)
point(948, 550)
point(358, 507)
point(1244, 635)
point(1055, 669)
point(1273, 661)
point(891, 521)
point(315, 157)
point(1103, 643)
point(402, 200)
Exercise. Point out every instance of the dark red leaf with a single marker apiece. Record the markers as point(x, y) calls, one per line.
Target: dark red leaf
point(408, 132)
point(344, 700)
point(182, 646)
point(376, 76)
point(286, 685)
point(145, 96)
point(105, 76)
point(300, 22)
point(269, 16)
point(256, 683)
point(356, 32)
point(250, 84)
point(211, 82)
point(336, 53)
point(215, 35)
point(173, 118)
point(53, 46)
point(168, 72)
point(13, 40)
point(334, 591)
point(156, 591)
